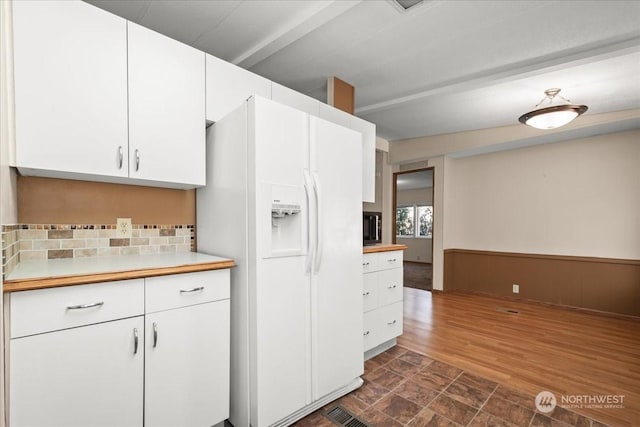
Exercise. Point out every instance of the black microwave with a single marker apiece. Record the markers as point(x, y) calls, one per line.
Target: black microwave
point(371, 228)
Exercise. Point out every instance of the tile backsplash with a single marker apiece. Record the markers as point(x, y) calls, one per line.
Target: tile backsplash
point(25, 242)
point(10, 248)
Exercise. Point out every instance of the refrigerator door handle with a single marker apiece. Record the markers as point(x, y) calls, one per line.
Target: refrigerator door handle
point(319, 219)
point(307, 191)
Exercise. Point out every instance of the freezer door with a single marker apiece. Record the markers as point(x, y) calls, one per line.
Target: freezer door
point(279, 284)
point(336, 286)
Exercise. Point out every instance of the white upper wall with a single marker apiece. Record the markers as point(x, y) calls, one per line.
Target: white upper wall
point(579, 197)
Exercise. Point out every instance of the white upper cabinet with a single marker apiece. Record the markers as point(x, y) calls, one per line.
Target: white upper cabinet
point(101, 99)
point(368, 131)
point(70, 64)
point(166, 109)
point(297, 100)
point(335, 115)
point(228, 86)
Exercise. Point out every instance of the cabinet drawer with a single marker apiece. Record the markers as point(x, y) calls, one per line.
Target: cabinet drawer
point(369, 262)
point(387, 260)
point(46, 310)
point(390, 321)
point(382, 324)
point(389, 286)
point(370, 292)
point(181, 290)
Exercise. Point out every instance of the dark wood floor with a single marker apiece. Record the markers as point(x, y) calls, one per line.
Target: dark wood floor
point(418, 275)
point(538, 348)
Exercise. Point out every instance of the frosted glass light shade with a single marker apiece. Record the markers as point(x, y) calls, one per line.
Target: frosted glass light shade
point(552, 117)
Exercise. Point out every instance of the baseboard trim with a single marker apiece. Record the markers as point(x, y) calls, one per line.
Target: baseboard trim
point(544, 304)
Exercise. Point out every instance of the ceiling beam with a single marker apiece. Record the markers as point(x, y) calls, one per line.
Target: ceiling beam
point(320, 14)
point(558, 60)
point(483, 141)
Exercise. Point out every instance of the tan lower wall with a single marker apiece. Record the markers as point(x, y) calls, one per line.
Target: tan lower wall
point(61, 201)
point(603, 284)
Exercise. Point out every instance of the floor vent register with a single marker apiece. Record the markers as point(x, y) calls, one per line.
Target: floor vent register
point(342, 417)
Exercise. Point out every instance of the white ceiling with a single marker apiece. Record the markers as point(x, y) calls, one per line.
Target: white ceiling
point(441, 67)
point(414, 180)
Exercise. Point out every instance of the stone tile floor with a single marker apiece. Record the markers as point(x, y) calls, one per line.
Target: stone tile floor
point(403, 388)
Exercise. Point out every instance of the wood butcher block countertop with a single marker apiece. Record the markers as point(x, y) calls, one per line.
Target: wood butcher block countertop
point(383, 248)
point(30, 275)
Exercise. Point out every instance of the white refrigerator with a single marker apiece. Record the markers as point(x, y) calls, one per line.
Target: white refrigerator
point(283, 199)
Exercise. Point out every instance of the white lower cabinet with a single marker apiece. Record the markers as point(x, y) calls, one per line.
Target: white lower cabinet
point(92, 370)
point(187, 355)
point(86, 376)
point(382, 297)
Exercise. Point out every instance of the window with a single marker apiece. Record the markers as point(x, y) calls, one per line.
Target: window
point(407, 226)
point(425, 221)
point(404, 221)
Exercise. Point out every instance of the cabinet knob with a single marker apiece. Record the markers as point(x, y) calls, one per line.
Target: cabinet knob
point(391, 287)
point(366, 333)
point(391, 323)
point(364, 264)
point(366, 293)
point(392, 260)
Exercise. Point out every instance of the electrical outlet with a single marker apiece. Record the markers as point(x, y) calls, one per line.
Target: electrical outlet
point(123, 230)
point(516, 288)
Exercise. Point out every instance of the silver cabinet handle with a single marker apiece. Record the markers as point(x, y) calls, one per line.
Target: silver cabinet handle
point(366, 293)
point(364, 264)
point(155, 335)
point(120, 157)
point(391, 287)
point(392, 260)
point(81, 306)
point(135, 340)
point(185, 291)
point(366, 333)
point(391, 323)
point(137, 160)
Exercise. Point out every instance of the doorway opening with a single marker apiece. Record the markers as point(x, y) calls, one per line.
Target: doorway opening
point(414, 216)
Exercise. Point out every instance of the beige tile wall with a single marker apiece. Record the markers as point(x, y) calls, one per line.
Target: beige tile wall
point(25, 242)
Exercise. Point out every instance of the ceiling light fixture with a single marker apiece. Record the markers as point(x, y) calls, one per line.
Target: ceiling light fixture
point(553, 116)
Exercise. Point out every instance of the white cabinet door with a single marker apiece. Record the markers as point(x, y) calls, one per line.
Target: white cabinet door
point(166, 109)
point(228, 86)
point(297, 100)
point(70, 65)
point(187, 366)
point(87, 376)
point(368, 131)
point(368, 141)
point(370, 292)
point(334, 115)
